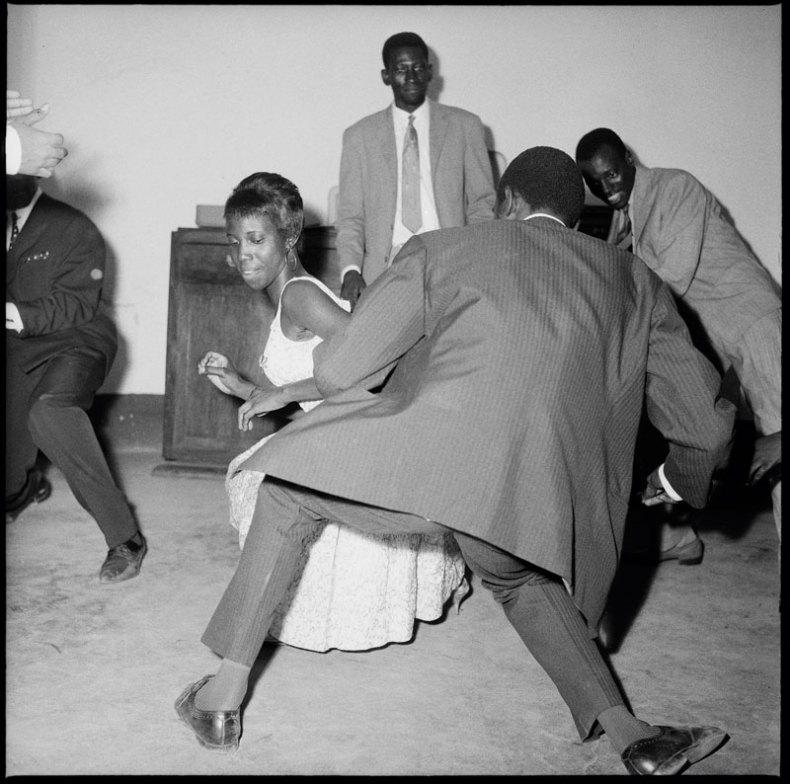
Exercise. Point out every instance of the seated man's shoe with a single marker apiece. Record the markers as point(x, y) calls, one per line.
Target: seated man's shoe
point(215, 730)
point(672, 750)
point(123, 561)
point(686, 554)
point(36, 490)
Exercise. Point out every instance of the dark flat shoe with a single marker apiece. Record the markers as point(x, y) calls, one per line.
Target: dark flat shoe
point(215, 730)
point(674, 749)
point(38, 489)
point(123, 562)
point(688, 554)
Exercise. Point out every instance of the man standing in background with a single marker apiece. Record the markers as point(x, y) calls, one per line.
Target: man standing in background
point(411, 168)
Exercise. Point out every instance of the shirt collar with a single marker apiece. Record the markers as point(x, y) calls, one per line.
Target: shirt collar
point(543, 215)
point(421, 113)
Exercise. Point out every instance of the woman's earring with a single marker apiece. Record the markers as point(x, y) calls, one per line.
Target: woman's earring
point(291, 257)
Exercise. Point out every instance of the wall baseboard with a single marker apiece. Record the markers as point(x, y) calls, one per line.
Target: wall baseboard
point(129, 423)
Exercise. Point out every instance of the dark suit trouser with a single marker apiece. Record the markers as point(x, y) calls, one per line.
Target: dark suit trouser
point(535, 602)
point(46, 409)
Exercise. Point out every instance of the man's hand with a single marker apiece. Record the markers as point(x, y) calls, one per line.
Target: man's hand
point(16, 106)
point(767, 453)
point(654, 492)
point(262, 401)
point(353, 285)
point(41, 151)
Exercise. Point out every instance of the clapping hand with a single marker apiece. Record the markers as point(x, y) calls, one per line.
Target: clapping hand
point(220, 372)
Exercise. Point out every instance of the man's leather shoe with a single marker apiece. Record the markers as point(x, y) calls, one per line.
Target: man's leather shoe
point(672, 750)
point(215, 730)
point(123, 562)
point(687, 554)
point(36, 490)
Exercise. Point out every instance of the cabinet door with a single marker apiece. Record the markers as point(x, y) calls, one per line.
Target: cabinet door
point(210, 308)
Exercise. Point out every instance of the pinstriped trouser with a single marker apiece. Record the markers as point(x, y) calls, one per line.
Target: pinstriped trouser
point(535, 602)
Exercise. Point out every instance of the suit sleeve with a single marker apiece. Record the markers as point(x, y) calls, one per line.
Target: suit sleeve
point(478, 178)
point(682, 403)
point(388, 320)
point(75, 288)
point(350, 223)
point(676, 242)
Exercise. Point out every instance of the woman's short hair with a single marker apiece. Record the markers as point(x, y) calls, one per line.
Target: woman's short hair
point(546, 177)
point(265, 193)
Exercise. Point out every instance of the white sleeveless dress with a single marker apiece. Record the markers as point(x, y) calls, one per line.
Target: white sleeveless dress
point(351, 591)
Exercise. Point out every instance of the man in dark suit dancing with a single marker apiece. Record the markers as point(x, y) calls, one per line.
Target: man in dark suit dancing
point(59, 348)
point(522, 353)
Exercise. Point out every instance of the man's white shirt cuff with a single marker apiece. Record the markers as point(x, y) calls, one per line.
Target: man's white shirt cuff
point(13, 150)
point(12, 318)
point(350, 267)
point(668, 487)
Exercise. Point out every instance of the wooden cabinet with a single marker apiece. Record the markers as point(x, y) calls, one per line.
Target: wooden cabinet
point(211, 308)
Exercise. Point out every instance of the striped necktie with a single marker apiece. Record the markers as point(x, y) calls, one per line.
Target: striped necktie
point(623, 237)
point(410, 180)
point(14, 228)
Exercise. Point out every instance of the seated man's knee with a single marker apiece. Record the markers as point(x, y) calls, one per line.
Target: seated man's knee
point(46, 412)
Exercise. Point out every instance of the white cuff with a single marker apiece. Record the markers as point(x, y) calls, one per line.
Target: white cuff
point(12, 318)
point(668, 487)
point(13, 150)
point(350, 267)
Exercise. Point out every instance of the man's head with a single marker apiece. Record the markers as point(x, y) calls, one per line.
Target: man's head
point(541, 179)
point(607, 166)
point(19, 190)
point(406, 69)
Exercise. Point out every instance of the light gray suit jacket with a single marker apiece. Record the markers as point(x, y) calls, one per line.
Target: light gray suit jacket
point(681, 233)
point(522, 353)
point(462, 182)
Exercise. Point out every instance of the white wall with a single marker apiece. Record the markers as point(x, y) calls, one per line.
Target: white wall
point(165, 107)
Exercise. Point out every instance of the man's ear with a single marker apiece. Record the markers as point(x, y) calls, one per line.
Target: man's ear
point(385, 77)
point(506, 207)
point(629, 159)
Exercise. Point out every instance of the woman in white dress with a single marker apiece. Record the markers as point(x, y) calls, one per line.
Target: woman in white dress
point(352, 591)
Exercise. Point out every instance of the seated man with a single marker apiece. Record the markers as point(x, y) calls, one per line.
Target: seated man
point(678, 228)
point(59, 348)
point(521, 447)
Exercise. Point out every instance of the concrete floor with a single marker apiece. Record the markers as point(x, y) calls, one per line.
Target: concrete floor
point(92, 670)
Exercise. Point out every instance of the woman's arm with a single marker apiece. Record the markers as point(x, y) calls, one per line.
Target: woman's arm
point(224, 376)
point(306, 311)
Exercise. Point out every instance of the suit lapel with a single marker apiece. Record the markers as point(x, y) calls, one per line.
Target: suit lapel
point(638, 203)
point(439, 122)
point(35, 227)
point(385, 136)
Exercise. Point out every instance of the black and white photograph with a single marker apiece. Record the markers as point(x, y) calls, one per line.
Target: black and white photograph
point(393, 390)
